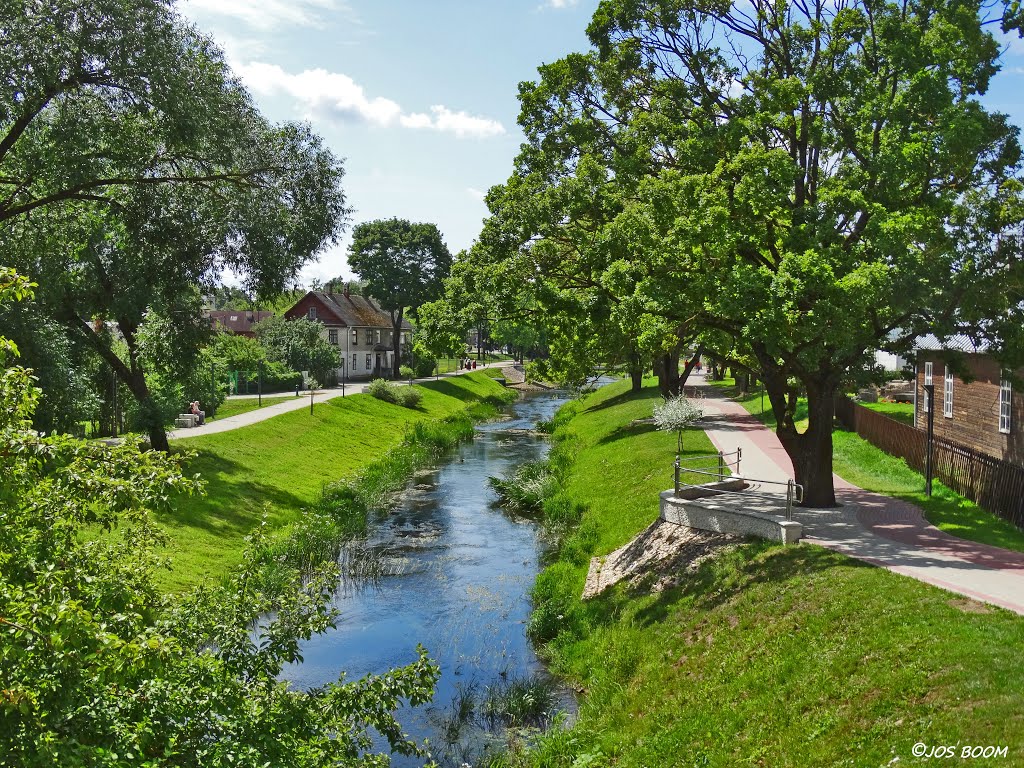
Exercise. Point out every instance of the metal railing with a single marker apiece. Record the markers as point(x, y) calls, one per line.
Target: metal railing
point(794, 491)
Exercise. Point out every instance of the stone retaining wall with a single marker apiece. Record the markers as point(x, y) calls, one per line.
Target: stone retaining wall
point(706, 514)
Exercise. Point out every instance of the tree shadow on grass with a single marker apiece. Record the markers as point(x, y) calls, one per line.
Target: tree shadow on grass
point(227, 505)
point(446, 387)
point(647, 393)
point(633, 429)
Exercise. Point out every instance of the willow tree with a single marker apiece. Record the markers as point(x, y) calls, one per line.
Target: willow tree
point(812, 180)
point(134, 168)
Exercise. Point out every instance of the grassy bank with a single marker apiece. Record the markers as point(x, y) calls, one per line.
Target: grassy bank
point(767, 656)
point(859, 462)
point(236, 406)
point(280, 466)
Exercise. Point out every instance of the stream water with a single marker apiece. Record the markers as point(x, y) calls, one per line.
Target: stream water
point(459, 575)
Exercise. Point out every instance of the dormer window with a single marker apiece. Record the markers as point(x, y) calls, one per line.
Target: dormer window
point(312, 313)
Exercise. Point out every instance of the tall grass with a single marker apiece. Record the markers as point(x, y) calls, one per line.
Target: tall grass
point(342, 511)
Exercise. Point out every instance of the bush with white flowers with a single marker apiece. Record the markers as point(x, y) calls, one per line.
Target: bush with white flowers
point(676, 414)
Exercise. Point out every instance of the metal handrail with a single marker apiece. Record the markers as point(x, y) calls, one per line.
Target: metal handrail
point(794, 491)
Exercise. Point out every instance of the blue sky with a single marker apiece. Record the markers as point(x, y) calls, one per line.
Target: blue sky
point(419, 96)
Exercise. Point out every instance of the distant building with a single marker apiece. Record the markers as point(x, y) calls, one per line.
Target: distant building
point(240, 322)
point(984, 414)
point(358, 326)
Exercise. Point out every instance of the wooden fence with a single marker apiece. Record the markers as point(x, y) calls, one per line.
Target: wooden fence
point(992, 483)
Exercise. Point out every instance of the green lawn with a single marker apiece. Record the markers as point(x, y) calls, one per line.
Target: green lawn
point(900, 411)
point(768, 656)
point(243, 405)
point(858, 462)
point(280, 465)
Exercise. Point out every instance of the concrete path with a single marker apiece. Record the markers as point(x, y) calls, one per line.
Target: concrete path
point(295, 403)
point(877, 529)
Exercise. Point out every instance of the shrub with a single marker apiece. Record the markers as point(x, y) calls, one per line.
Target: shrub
point(526, 488)
point(406, 372)
point(408, 397)
point(383, 390)
point(677, 414)
point(425, 366)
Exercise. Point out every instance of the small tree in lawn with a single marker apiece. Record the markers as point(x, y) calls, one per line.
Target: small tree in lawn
point(675, 415)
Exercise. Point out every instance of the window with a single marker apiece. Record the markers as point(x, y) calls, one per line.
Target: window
point(369, 340)
point(947, 394)
point(927, 381)
point(355, 337)
point(369, 365)
point(312, 313)
point(1005, 398)
point(376, 336)
point(332, 336)
point(355, 362)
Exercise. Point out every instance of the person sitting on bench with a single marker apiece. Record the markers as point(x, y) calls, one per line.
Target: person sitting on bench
point(200, 414)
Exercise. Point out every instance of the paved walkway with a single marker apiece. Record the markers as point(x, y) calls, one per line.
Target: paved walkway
point(878, 529)
point(295, 403)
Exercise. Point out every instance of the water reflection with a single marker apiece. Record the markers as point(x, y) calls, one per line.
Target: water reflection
point(454, 574)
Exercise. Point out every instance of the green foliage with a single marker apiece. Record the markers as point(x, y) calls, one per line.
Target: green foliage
point(409, 397)
point(675, 415)
point(382, 390)
point(298, 344)
point(402, 264)
point(98, 668)
point(138, 169)
point(524, 490)
point(791, 217)
point(406, 372)
point(425, 366)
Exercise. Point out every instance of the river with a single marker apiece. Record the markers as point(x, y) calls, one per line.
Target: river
point(459, 572)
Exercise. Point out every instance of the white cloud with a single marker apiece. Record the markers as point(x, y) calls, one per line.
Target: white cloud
point(477, 193)
point(267, 14)
point(562, 3)
point(461, 124)
point(332, 96)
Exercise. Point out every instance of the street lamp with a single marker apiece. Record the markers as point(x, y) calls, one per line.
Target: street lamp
point(930, 394)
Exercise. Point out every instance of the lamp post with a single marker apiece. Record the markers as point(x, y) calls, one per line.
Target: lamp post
point(259, 382)
point(930, 394)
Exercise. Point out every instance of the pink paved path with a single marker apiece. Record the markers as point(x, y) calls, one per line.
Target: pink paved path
point(878, 529)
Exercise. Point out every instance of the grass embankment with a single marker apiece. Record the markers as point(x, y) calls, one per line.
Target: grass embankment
point(281, 466)
point(769, 655)
point(859, 462)
point(236, 406)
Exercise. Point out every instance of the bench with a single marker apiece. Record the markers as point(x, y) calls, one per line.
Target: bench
point(186, 421)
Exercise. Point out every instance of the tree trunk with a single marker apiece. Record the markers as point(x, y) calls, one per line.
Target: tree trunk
point(688, 369)
point(151, 416)
point(667, 371)
point(811, 450)
point(636, 372)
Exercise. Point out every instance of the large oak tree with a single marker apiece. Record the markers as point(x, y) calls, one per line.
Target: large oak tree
point(134, 168)
point(810, 180)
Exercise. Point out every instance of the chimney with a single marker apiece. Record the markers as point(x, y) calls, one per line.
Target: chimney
point(346, 290)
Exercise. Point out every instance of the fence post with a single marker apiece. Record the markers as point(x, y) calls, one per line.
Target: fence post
point(676, 466)
point(721, 466)
point(789, 499)
point(739, 457)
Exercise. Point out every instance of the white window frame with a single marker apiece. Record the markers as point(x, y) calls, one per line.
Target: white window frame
point(332, 335)
point(312, 313)
point(355, 337)
point(1005, 406)
point(947, 394)
point(369, 337)
point(928, 368)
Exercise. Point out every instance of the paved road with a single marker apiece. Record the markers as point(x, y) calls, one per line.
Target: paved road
point(880, 530)
point(293, 404)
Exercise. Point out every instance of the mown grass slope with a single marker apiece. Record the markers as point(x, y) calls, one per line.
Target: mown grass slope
point(279, 466)
point(768, 655)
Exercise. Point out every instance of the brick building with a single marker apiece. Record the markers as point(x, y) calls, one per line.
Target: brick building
point(986, 414)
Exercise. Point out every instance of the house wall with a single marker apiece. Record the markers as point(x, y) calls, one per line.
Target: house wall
point(975, 420)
